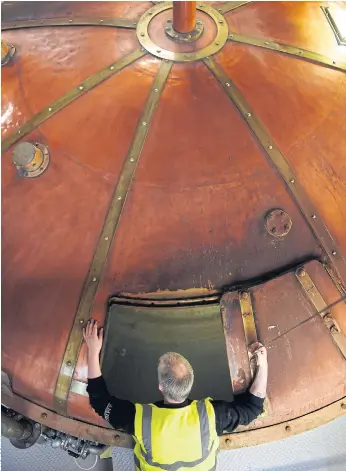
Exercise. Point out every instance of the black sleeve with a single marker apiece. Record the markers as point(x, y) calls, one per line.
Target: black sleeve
point(243, 410)
point(119, 413)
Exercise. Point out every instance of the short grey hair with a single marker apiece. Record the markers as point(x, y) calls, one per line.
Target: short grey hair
point(175, 376)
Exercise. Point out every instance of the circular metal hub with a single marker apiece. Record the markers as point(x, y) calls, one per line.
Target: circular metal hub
point(278, 223)
point(215, 45)
point(184, 37)
point(31, 160)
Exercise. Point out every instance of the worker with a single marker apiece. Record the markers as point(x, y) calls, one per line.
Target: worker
point(175, 434)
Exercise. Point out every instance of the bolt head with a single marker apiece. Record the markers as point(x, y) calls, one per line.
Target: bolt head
point(301, 272)
point(44, 416)
point(288, 428)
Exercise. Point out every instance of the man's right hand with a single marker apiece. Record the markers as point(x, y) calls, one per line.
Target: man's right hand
point(260, 352)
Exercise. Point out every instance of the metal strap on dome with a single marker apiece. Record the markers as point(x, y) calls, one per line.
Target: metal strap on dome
point(333, 254)
point(70, 96)
point(229, 6)
point(287, 49)
point(319, 303)
point(44, 22)
point(105, 240)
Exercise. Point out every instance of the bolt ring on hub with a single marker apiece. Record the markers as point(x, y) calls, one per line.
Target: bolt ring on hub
point(184, 37)
point(154, 49)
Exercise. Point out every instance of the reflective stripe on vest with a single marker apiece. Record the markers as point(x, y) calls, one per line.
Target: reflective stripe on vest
point(138, 465)
point(204, 433)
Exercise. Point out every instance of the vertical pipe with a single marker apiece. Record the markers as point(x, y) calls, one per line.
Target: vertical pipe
point(184, 16)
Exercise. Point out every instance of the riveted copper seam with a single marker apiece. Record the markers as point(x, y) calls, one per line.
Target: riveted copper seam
point(112, 219)
point(321, 306)
point(70, 96)
point(287, 49)
point(229, 6)
point(115, 22)
point(247, 313)
point(333, 254)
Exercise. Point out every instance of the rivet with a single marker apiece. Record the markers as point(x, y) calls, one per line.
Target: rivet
point(41, 22)
point(142, 34)
point(150, 13)
point(117, 438)
point(112, 67)
point(132, 159)
point(270, 147)
point(144, 123)
point(244, 294)
point(37, 425)
point(81, 87)
point(266, 43)
point(200, 6)
point(221, 22)
point(333, 253)
point(313, 216)
point(81, 321)
point(333, 329)
point(50, 109)
point(219, 10)
point(292, 180)
point(301, 272)
point(228, 84)
point(27, 445)
point(19, 131)
point(288, 428)
point(249, 115)
point(158, 51)
point(134, 23)
point(343, 406)
point(44, 416)
point(187, 56)
point(156, 90)
point(70, 21)
point(273, 230)
point(199, 22)
point(217, 43)
point(119, 198)
point(106, 238)
point(101, 21)
point(301, 52)
point(230, 36)
point(94, 278)
point(334, 62)
point(68, 363)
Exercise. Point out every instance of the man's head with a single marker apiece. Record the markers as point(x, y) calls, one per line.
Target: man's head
point(175, 377)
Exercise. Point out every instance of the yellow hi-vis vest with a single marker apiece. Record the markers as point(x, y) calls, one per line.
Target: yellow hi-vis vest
point(178, 439)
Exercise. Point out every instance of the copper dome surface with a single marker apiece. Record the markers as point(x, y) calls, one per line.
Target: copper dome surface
point(174, 186)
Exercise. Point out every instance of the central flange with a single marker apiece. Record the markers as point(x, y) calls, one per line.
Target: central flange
point(184, 37)
point(147, 43)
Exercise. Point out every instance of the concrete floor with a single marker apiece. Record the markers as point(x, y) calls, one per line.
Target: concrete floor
point(321, 449)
